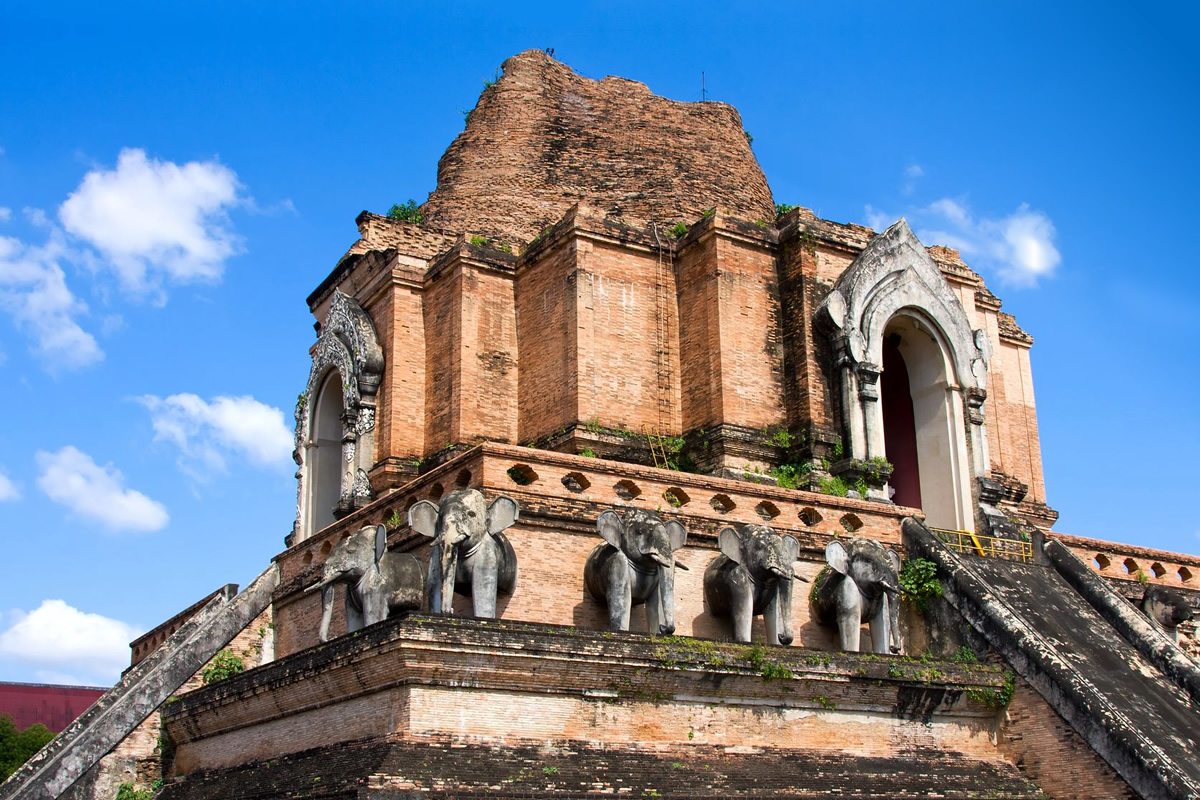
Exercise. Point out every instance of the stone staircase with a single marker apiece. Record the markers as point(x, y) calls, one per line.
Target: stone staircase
point(141, 690)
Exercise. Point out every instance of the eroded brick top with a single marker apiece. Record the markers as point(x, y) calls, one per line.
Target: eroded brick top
point(542, 138)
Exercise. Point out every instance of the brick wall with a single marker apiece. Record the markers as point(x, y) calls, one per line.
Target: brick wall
point(547, 339)
point(1049, 751)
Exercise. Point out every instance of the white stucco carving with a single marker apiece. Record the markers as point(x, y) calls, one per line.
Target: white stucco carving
point(349, 346)
point(895, 282)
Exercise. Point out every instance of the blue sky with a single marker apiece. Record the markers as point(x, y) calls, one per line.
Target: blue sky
point(175, 181)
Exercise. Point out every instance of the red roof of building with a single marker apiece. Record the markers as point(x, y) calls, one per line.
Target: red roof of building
point(56, 707)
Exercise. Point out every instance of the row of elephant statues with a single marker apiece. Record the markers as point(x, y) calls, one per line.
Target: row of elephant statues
point(753, 575)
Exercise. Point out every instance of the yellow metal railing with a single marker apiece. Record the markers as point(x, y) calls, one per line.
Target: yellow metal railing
point(986, 546)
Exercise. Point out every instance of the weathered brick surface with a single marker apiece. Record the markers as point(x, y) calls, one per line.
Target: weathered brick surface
point(542, 138)
point(1049, 751)
point(451, 768)
point(423, 679)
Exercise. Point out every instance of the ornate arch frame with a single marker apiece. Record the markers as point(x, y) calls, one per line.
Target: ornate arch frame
point(895, 276)
point(348, 345)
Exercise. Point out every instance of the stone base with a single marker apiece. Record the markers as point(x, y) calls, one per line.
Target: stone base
point(420, 697)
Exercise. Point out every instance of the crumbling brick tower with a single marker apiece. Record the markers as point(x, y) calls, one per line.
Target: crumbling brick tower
point(601, 309)
point(602, 271)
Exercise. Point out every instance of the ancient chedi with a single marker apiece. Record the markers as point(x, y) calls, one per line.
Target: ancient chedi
point(642, 394)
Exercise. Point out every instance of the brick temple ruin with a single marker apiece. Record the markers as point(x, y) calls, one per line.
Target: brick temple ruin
point(600, 309)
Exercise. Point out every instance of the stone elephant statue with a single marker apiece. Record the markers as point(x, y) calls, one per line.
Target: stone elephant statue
point(1167, 608)
point(636, 564)
point(860, 584)
point(471, 554)
point(754, 575)
point(378, 583)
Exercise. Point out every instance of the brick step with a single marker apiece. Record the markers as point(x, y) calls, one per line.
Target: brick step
point(399, 770)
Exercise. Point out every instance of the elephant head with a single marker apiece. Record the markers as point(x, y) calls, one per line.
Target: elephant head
point(649, 545)
point(861, 584)
point(377, 582)
point(469, 548)
point(1168, 608)
point(754, 575)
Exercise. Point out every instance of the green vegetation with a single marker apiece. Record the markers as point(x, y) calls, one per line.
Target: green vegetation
point(678, 230)
point(17, 747)
point(756, 655)
point(919, 583)
point(490, 82)
point(996, 698)
point(789, 476)
point(394, 520)
point(519, 476)
point(478, 241)
point(834, 486)
point(781, 209)
point(780, 437)
point(409, 212)
point(749, 138)
point(588, 452)
point(225, 664)
point(126, 791)
point(965, 655)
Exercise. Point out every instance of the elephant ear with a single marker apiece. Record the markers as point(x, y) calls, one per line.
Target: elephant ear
point(791, 549)
point(380, 542)
point(609, 526)
point(893, 559)
point(423, 517)
point(677, 534)
point(731, 544)
point(501, 514)
point(837, 557)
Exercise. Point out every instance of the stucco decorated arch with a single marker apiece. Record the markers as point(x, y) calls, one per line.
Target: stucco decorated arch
point(894, 277)
point(349, 346)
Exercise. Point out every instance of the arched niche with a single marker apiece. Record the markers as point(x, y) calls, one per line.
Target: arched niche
point(893, 295)
point(324, 455)
point(335, 419)
point(931, 414)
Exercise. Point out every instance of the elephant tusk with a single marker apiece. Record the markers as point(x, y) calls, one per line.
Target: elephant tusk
point(682, 566)
point(315, 586)
point(800, 577)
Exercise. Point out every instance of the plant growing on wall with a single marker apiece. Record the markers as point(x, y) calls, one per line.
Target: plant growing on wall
point(225, 664)
point(409, 212)
point(919, 582)
point(126, 791)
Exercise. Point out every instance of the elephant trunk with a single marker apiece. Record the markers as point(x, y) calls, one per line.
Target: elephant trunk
point(783, 607)
point(326, 610)
point(449, 564)
point(666, 594)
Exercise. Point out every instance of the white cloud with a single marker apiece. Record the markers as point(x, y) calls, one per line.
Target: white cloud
point(206, 432)
point(5, 214)
point(912, 174)
point(148, 217)
point(72, 479)
point(1018, 247)
point(8, 489)
point(877, 219)
point(33, 289)
point(64, 642)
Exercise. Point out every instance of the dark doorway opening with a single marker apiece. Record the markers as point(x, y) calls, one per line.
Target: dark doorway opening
point(899, 425)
